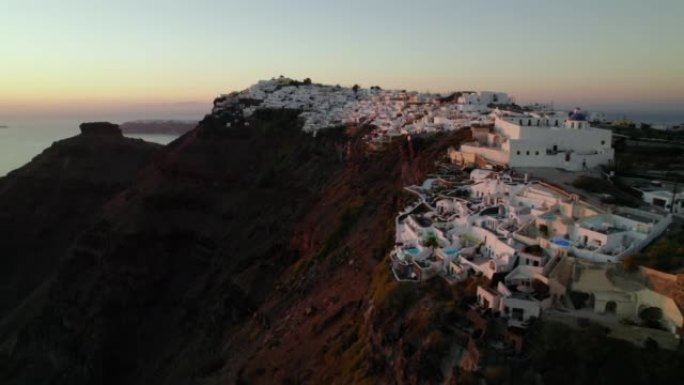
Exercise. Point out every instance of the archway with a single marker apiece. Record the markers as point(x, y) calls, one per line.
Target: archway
point(611, 307)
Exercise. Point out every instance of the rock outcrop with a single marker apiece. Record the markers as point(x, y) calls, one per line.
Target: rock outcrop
point(47, 203)
point(101, 128)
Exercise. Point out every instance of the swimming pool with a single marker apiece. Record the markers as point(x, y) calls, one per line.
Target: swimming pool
point(595, 222)
point(549, 217)
point(562, 242)
point(412, 251)
point(451, 251)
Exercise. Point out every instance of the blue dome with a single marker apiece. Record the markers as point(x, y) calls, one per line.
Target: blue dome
point(577, 116)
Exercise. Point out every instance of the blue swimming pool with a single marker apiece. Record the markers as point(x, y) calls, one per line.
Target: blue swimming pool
point(549, 217)
point(451, 251)
point(412, 251)
point(562, 242)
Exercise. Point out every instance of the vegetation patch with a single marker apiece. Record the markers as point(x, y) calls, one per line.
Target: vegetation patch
point(565, 356)
point(666, 254)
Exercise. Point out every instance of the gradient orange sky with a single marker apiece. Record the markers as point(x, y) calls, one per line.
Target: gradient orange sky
point(82, 55)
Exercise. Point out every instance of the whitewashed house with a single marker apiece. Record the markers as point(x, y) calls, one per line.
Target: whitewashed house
point(531, 140)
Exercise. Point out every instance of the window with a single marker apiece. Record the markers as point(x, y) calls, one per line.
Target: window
point(603, 142)
point(659, 202)
point(528, 153)
point(529, 122)
point(536, 153)
point(518, 314)
point(518, 152)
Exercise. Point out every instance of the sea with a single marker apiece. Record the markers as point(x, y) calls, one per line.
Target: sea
point(24, 138)
point(654, 118)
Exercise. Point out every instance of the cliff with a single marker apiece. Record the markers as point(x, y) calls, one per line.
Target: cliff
point(104, 129)
point(45, 204)
point(227, 229)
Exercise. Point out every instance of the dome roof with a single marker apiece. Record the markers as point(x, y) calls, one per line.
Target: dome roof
point(577, 115)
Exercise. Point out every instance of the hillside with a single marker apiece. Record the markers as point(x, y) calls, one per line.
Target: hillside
point(44, 204)
point(229, 228)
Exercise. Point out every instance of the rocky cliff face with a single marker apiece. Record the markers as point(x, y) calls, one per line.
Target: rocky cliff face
point(104, 129)
point(240, 254)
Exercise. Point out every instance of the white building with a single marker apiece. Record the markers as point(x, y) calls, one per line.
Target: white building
point(480, 101)
point(532, 140)
point(664, 199)
point(519, 305)
point(613, 292)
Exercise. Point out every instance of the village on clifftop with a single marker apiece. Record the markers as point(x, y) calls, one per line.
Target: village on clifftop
point(542, 251)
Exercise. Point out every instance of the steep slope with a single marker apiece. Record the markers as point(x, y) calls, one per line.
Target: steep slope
point(311, 329)
point(231, 231)
point(45, 204)
point(154, 274)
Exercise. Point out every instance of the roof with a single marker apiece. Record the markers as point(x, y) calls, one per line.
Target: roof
point(577, 115)
point(480, 173)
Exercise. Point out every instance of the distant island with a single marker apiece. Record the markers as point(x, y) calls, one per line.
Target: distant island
point(3, 126)
point(170, 127)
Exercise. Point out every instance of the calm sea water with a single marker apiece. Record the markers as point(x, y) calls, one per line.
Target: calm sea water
point(24, 139)
point(665, 118)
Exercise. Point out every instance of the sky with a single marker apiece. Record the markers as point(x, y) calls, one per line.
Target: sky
point(64, 56)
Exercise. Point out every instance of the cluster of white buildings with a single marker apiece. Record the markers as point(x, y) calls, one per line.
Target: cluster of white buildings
point(516, 233)
point(536, 139)
point(392, 112)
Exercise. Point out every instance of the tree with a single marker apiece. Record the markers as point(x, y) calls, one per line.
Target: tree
point(307, 82)
point(356, 88)
point(431, 242)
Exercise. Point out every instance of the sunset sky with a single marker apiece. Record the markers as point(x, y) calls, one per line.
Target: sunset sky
point(89, 54)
